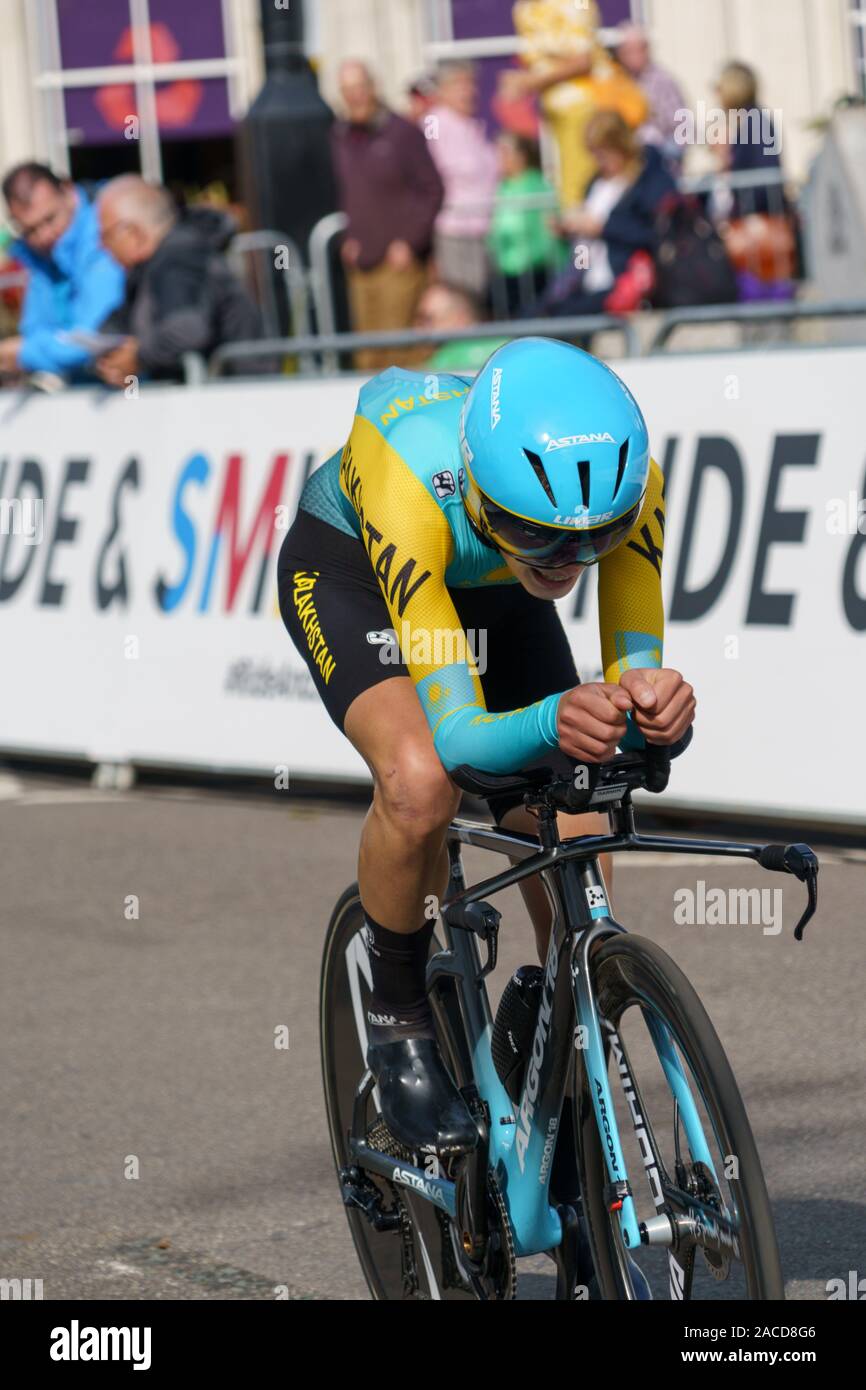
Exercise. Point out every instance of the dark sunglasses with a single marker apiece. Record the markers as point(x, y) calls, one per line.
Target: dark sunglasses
point(553, 547)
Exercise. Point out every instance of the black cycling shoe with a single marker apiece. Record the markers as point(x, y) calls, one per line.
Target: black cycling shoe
point(421, 1106)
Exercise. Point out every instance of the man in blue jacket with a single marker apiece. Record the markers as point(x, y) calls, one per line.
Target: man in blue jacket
point(73, 282)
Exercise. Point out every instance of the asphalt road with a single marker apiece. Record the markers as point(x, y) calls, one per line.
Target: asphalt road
point(157, 1145)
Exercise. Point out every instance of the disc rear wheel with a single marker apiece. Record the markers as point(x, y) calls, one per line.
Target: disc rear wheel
point(418, 1257)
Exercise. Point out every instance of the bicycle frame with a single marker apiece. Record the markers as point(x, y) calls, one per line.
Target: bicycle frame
point(522, 1144)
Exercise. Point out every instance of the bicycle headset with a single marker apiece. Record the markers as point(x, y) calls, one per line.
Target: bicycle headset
point(555, 454)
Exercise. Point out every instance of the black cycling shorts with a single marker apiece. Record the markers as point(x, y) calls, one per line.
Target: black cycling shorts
point(344, 623)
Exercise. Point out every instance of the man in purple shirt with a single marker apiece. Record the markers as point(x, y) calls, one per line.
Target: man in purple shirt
point(661, 89)
point(391, 193)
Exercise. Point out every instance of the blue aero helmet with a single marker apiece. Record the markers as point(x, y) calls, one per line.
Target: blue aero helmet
point(555, 454)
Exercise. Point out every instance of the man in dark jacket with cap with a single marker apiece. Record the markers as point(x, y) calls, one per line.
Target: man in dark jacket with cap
point(181, 295)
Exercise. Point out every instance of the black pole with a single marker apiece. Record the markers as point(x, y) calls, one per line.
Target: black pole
point(283, 36)
point(284, 140)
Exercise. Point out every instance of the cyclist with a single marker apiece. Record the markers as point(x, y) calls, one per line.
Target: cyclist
point(460, 507)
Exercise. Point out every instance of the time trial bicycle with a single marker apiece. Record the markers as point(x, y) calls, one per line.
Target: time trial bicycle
point(619, 1048)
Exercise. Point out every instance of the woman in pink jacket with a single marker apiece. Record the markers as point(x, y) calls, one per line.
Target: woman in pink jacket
point(468, 167)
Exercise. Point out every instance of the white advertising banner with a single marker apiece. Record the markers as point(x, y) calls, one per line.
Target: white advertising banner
point(138, 603)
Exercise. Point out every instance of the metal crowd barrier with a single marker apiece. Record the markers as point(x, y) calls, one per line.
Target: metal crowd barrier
point(261, 270)
point(321, 287)
point(767, 311)
point(743, 181)
point(326, 346)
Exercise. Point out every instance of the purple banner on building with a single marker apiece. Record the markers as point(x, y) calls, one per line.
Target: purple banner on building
point(477, 19)
point(101, 36)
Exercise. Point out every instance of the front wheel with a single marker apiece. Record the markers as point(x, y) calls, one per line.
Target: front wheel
point(690, 1151)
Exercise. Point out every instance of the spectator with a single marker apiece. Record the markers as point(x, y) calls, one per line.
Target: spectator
point(12, 294)
point(660, 88)
point(466, 161)
point(444, 307)
point(522, 243)
point(420, 96)
point(617, 219)
point(180, 294)
point(737, 92)
point(755, 222)
point(573, 76)
point(72, 281)
point(391, 193)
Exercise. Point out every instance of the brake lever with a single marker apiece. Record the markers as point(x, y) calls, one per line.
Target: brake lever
point(808, 874)
point(802, 862)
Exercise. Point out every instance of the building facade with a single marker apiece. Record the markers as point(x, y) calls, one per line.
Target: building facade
point(159, 86)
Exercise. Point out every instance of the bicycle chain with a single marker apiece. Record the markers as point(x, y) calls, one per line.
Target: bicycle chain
point(506, 1233)
point(380, 1137)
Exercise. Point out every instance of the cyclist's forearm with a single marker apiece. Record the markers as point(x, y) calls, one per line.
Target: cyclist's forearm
point(497, 742)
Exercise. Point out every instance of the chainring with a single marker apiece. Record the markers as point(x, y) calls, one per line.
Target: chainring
point(498, 1278)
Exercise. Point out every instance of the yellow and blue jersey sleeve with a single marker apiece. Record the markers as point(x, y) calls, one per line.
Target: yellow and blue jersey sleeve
point(630, 609)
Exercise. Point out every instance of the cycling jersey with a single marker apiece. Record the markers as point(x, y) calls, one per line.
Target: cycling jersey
point(395, 486)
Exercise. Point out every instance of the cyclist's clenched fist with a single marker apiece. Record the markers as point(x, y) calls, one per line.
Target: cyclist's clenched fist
point(664, 704)
point(590, 720)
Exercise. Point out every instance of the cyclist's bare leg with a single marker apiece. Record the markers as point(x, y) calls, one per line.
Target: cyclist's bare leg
point(402, 863)
point(537, 904)
point(402, 860)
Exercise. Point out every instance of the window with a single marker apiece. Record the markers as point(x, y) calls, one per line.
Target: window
point(122, 81)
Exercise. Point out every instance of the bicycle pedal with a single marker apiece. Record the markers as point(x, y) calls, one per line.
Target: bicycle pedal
point(360, 1194)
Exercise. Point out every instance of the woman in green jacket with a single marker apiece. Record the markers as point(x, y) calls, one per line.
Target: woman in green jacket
point(523, 246)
